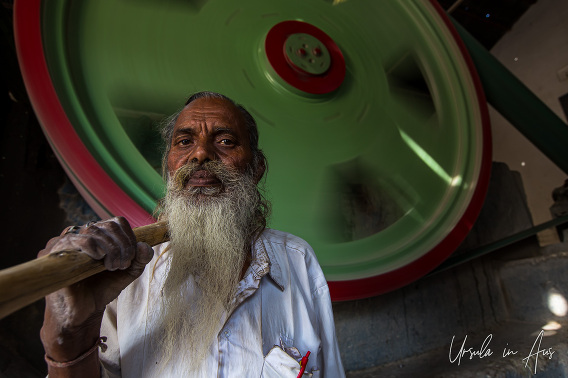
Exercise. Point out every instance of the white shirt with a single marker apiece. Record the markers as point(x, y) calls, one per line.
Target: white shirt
point(282, 302)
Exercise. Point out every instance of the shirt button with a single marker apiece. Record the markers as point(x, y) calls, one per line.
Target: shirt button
point(227, 333)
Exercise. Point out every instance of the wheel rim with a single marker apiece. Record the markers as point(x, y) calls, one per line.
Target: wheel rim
point(404, 134)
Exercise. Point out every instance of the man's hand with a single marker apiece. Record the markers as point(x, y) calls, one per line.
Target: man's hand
point(73, 314)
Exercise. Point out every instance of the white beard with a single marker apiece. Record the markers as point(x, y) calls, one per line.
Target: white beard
point(210, 239)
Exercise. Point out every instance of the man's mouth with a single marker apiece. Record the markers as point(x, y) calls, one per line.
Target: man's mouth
point(203, 178)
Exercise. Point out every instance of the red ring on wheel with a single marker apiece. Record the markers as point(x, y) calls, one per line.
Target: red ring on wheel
point(97, 187)
point(313, 84)
point(383, 283)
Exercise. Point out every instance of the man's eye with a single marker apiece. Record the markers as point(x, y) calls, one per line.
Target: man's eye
point(226, 142)
point(184, 142)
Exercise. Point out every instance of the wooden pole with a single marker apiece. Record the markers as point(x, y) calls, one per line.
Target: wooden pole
point(26, 283)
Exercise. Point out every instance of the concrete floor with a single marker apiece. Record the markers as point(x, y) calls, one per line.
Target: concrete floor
point(498, 358)
point(528, 338)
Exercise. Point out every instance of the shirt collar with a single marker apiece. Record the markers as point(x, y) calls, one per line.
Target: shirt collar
point(263, 248)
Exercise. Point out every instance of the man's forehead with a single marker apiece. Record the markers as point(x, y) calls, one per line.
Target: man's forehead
point(207, 108)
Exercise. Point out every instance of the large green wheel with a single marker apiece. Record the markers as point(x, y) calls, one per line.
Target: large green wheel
point(382, 167)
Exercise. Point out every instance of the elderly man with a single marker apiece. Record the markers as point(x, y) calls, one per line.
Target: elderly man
point(225, 297)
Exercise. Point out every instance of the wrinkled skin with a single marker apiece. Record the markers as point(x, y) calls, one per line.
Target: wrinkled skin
point(210, 129)
point(73, 314)
point(207, 129)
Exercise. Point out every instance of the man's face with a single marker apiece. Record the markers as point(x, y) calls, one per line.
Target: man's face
point(209, 129)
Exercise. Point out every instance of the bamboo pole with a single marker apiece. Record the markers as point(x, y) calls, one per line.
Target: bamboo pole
point(28, 282)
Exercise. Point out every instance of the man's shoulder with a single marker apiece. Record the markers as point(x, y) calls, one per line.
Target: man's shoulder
point(287, 253)
point(296, 251)
point(286, 240)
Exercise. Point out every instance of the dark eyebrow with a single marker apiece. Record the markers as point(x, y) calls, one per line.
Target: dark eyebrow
point(190, 132)
point(184, 131)
point(224, 130)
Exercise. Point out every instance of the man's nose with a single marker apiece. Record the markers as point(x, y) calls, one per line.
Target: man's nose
point(202, 153)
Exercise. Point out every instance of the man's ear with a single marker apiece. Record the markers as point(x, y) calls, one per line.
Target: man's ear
point(260, 169)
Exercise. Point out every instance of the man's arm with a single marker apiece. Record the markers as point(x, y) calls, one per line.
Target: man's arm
point(332, 365)
point(73, 315)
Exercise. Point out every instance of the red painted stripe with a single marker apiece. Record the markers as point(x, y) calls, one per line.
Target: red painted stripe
point(367, 287)
point(56, 125)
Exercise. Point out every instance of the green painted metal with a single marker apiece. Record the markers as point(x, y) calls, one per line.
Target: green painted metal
point(402, 132)
point(526, 112)
point(518, 104)
point(87, 104)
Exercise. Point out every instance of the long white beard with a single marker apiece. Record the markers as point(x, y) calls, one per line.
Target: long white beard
point(210, 236)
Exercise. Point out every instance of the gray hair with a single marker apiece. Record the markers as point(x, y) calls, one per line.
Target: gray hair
point(169, 123)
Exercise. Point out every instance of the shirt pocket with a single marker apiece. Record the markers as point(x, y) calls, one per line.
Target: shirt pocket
point(278, 364)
